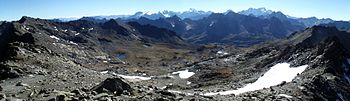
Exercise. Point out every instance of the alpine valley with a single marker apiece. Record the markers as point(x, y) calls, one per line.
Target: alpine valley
point(254, 54)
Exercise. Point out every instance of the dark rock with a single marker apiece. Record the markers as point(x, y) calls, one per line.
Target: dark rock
point(60, 98)
point(112, 86)
point(77, 92)
point(2, 96)
point(166, 93)
point(8, 72)
point(282, 83)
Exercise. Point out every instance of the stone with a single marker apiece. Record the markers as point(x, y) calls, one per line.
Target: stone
point(112, 86)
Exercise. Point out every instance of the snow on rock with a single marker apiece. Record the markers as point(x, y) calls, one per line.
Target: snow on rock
point(188, 82)
point(133, 78)
point(55, 28)
point(76, 34)
point(174, 91)
point(211, 24)
point(184, 74)
point(172, 25)
point(104, 72)
point(166, 15)
point(277, 74)
point(179, 92)
point(129, 78)
point(285, 95)
point(221, 53)
point(54, 37)
point(91, 29)
point(71, 42)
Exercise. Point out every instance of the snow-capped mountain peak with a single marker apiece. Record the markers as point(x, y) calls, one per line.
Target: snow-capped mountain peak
point(256, 11)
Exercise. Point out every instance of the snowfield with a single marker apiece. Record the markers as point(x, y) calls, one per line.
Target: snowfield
point(184, 74)
point(276, 75)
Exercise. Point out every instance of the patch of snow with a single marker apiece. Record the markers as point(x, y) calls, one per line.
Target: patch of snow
point(227, 59)
point(285, 95)
point(166, 15)
point(301, 87)
point(172, 25)
point(82, 28)
point(30, 75)
point(188, 26)
point(104, 72)
point(135, 36)
point(184, 74)
point(76, 34)
point(27, 28)
point(55, 28)
point(277, 74)
point(211, 24)
point(174, 91)
point(105, 61)
point(54, 37)
point(71, 42)
point(91, 29)
point(134, 77)
point(65, 30)
point(179, 92)
point(188, 82)
point(220, 52)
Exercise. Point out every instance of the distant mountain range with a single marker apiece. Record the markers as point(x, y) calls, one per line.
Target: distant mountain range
point(194, 14)
point(244, 28)
point(264, 13)
point(191, 14)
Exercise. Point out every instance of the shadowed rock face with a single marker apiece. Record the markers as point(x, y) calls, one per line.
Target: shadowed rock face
point(112, 86)
point(156, 33)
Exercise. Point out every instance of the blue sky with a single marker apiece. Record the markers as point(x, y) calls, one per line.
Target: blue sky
point(15, 9)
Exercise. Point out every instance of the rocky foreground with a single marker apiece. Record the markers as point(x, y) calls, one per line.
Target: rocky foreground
point(84, 60)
